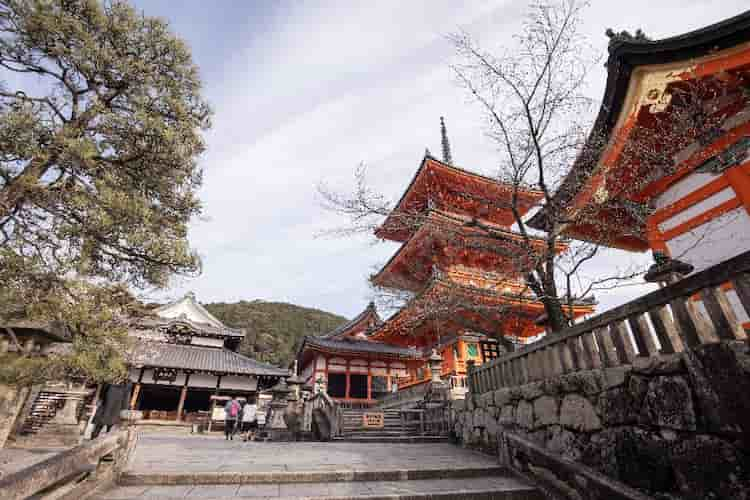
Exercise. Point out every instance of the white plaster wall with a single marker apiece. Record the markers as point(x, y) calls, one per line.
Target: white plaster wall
point(207, 341)
point(714, 241)
point(202, 380)
point(742, 315)
point(336, 368)
point(379, 370)
point(239, 383)
point(712, 201)
point(320, 362)
point(683, 187)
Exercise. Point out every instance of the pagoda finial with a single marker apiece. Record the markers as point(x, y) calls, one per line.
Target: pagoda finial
point(427, 152)
point(446, 145)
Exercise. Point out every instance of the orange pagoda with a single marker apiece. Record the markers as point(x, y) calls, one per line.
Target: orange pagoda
point(465, 267)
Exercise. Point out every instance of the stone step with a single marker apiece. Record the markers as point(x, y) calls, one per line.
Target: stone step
point(414, 439)
point(487, 487)
point(129, 478)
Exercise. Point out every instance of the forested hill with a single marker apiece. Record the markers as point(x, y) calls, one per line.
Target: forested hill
point(274, 329)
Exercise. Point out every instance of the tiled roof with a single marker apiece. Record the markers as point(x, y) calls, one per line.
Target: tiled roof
point(358, 346)
point(342, 329)
point(201, 328)
point(205, 359)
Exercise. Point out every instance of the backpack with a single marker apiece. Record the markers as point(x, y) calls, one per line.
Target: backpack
point(234, 409)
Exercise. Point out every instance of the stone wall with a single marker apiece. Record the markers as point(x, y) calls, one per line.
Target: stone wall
point(675, 426)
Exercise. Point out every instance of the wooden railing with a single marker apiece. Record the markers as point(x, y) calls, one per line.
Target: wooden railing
point(661, 322)
point(64, 468)
point(413, 392)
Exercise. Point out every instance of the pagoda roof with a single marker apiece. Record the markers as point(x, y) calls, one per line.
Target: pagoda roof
point(356, 346)
point(445, 239)
point(455, 294)
point(188, 312)
point(640, 76)
point(360, 324)
point(446, 187)
point(200, 359)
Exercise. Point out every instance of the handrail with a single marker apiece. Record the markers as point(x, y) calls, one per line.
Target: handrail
point(42, 475)
point(660, 322)
point(559, 477)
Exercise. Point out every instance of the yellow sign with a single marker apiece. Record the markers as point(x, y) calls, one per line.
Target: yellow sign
point(375, 420)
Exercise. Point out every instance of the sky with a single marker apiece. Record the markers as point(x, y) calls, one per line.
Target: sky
point(303, 92)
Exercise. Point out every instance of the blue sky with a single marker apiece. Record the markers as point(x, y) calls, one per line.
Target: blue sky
point(305, 91)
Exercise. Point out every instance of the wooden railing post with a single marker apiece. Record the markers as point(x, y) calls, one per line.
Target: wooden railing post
point(726, 325)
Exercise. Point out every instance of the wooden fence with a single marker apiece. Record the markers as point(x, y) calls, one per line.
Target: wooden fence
point(661, 322)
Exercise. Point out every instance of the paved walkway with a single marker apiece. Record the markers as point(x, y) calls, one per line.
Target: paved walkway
point(157, 454)
point(191, 467)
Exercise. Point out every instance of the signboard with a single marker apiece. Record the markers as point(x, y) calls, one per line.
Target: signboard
point(373, 420)
point(218, 413)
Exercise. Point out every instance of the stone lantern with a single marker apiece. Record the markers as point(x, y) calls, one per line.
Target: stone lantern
point(277, 428)
point(435, 362)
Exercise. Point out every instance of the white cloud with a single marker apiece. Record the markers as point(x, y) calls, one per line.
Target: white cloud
point(322, 87)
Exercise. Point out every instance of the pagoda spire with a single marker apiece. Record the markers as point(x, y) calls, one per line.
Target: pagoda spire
point(446, 145)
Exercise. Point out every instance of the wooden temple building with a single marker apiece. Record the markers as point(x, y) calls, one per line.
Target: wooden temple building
point(462, 265)
point(183, 356)
point(667, 166)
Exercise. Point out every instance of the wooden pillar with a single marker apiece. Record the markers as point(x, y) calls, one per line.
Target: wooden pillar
point(348, 384)
point(183, 395)
point(136, 393)
point(369, 384)
point(739, 179)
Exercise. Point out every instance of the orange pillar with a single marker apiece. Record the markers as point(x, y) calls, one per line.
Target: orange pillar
point(739, 179)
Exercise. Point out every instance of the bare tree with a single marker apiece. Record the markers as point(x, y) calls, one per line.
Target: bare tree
point(532, 99)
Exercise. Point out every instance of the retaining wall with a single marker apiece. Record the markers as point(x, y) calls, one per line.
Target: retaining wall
point(673, 426)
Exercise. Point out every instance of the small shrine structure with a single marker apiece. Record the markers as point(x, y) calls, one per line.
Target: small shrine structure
point(350, 366)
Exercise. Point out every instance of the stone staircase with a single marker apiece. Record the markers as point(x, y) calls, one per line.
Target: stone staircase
point(353, 429)
point(205, 467)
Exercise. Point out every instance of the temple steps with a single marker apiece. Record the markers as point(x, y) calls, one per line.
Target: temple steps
point(449, 483)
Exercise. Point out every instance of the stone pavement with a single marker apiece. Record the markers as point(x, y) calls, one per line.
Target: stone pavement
point(190, 467)
point(156, 453)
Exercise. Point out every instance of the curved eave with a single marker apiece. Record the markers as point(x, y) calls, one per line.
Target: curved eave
point(384, 232)
point(387, 278)
point(624, 57)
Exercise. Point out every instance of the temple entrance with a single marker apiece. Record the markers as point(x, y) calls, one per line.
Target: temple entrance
point(159, 402)
point(337, 385)
point(357, 386)
point(197, 400)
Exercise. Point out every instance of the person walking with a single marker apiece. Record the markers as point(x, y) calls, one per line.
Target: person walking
point(231, 412)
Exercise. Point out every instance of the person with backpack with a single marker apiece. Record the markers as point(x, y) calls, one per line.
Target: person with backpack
point(231, 412)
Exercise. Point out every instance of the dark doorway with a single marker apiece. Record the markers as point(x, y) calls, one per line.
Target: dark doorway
point(162, 398)
point(337, 385)
point(197, 400)
point(358, 386)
